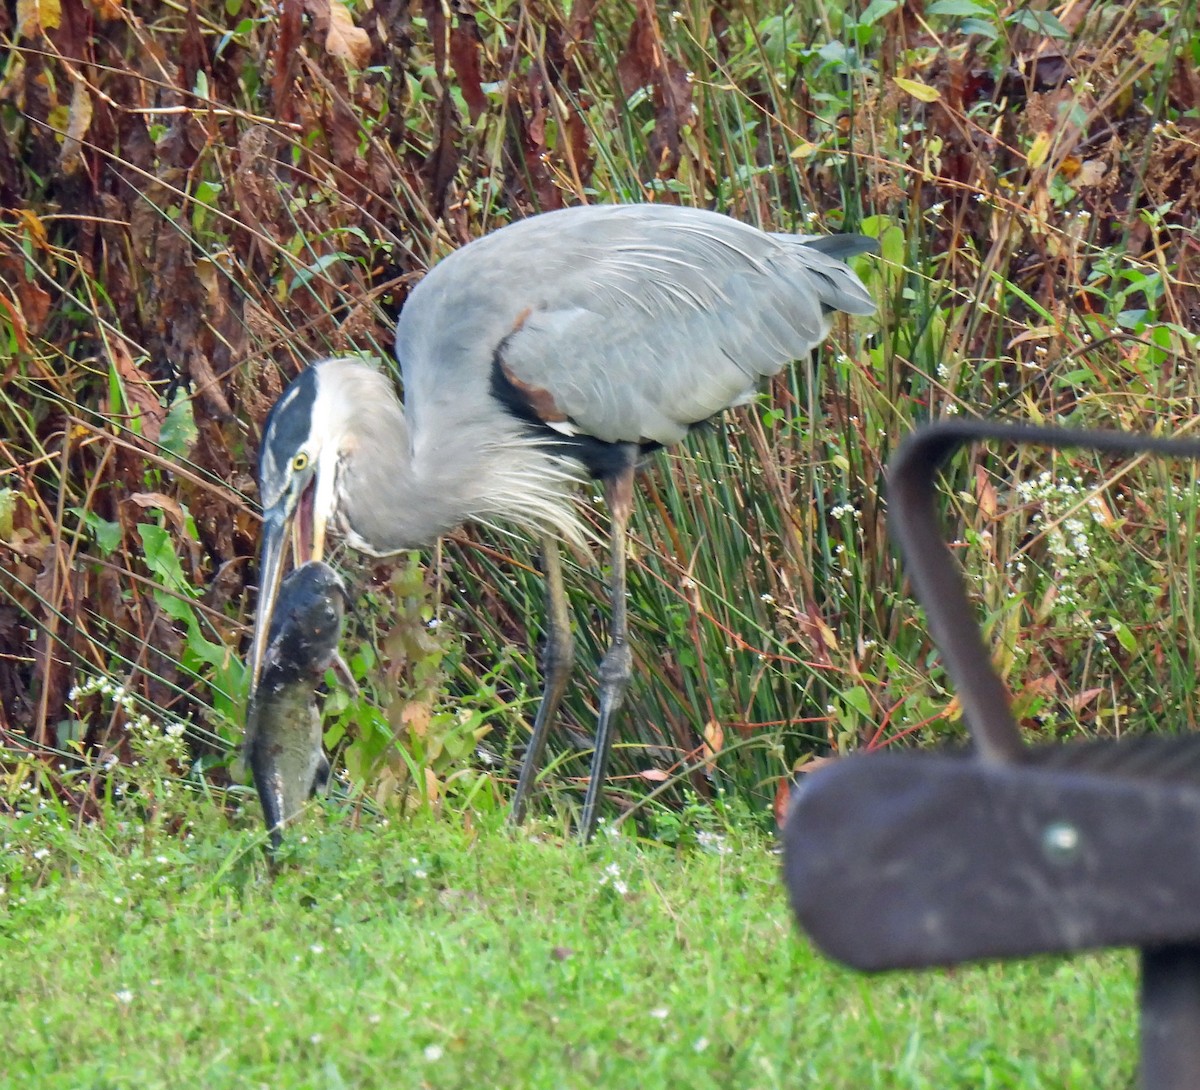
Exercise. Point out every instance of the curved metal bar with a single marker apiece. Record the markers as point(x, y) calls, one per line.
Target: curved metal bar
point(936, 575)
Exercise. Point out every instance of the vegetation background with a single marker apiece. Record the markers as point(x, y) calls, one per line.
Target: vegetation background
point(200, 197)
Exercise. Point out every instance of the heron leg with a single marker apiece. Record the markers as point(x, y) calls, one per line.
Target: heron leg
point(617, 664)
point(557, 658)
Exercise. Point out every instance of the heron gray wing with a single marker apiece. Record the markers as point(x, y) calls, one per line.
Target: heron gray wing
point(628, 323)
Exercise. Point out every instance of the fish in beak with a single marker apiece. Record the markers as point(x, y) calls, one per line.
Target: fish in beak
point(283, 726)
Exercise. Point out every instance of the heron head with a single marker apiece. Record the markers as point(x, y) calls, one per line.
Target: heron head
point(297, 469)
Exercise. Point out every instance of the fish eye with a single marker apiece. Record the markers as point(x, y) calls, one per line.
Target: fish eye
point(300, 462)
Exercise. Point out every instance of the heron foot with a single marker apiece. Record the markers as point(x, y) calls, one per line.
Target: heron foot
point(558, 656)
point(615, 670)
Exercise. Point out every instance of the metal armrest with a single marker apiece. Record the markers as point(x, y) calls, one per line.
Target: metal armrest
point(909, 859)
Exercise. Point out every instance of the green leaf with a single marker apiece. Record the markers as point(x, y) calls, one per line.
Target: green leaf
point(207, 192)
point(159, 553)
point(892, 245)
point(1132, 319)
point(1040, 22)
point(322, 263)
point(8, 507)
point(858, 699)
point(917, 89)
point(839, 53)
point(107, 534)
point(980, 27)
point(876, 10)
point(214, 654)
point(1124, 637)
point(958, 7)
point(176, 609)
point(179, 428)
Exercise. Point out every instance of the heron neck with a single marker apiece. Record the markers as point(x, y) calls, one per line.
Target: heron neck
point(398, 494)
point(391, 501)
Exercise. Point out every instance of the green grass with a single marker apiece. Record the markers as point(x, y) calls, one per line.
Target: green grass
point(419, 956)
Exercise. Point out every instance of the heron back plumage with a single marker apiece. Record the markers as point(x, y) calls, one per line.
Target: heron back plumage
point(628, 323)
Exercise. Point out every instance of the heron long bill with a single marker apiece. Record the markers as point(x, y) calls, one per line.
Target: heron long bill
point(309, 544)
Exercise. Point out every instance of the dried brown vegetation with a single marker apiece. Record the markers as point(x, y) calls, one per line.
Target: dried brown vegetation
point(200, 198)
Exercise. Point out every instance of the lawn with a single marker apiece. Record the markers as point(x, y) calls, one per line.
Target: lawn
point(420, 955)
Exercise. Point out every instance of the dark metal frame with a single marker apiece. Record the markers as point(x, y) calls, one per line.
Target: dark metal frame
point(906, 859)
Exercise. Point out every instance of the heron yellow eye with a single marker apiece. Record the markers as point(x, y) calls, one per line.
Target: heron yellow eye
point(300, 462)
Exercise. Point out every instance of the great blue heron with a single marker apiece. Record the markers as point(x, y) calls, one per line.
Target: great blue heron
point(566, 344)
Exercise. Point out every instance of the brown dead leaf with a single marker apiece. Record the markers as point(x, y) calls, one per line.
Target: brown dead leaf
point(35, 304)
point(985, 494)
point(208, 386)
point(1081, 700)
point(1037, 333)
point(714, 742)
point(108, 10)
point(416, 715)
point(783, 801)
point(19, 326)
point(344, 40)
point(140, 396)
point(818, 634)
point(464, 57)
point(287, 54)
point(386, 787)
point(166, 505)
point(638, 66)
point(34, 228)
point(1091, 172)
point(35, 17)
point(654, 775)
point(193, 53)
point(645, 63)
point(79, 120)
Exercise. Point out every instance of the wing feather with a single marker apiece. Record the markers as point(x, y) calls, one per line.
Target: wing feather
point(637, 320)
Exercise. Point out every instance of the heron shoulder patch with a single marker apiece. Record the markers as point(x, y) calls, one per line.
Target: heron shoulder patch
point(535, 399)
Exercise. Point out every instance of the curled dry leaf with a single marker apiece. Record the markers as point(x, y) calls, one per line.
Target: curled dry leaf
point(79, 120)
point(168, 506)
point(417, 715)
point(35, 17)
point(714, 742)
point(140, 396)
point(646, 63)
point(20, 327)
point(985, 494)
point(344, 40)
